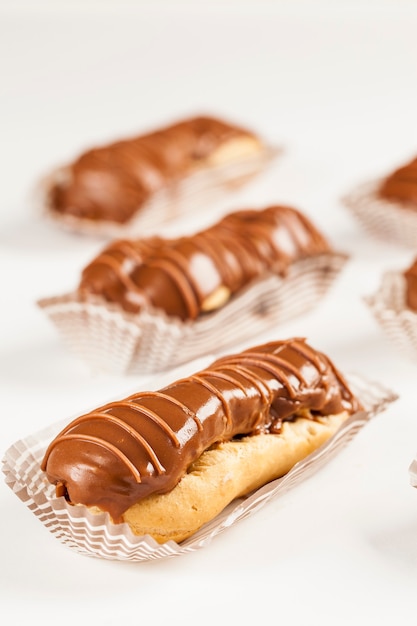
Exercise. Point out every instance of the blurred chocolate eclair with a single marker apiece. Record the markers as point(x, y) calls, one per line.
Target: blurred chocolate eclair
point(401, 185)
point(189, 276)
point(387, 207)
point(168, 461)
point(147, 304)
point(153, 174)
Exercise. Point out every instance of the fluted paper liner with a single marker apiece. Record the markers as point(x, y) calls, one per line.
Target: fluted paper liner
point(192, 193)
point(94, 534)
point(385, 219)
point(398, 322)
point(107, 338)
point(413, 472)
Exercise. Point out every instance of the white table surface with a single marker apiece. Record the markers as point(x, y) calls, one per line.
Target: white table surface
point(335, 83)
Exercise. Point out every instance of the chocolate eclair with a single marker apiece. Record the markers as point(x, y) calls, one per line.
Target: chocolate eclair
point(167, 461)
point(401, 185)
point(192, 275)
point(113, 182)
point(387, 206)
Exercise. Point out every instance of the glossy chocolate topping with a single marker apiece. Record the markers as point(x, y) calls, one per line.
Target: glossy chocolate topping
point(401, 185)
point(122, 452)
point(112, 182)
point(191, 275)
point(410, 276)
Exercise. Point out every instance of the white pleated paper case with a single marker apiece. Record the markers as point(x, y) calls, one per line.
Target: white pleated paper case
point(388, 306)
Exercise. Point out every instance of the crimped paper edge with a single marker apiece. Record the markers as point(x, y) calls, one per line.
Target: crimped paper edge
point(413, 472)
point(116, 542)
point(388, 307)
point(108, 338)
point(193, 191)
point(385, 219)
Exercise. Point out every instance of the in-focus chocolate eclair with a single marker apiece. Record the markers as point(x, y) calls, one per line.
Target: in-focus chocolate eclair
point(154, 173)
point(149, 304)
point(168, 461)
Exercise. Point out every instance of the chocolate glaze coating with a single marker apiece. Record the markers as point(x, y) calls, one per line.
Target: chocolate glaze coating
point(401, 185)
point(124, 451)
point(112, 182)
point(184, 276)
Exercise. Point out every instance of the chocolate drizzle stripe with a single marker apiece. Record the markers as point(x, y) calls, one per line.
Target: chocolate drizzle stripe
point(128, 248)
point(213, 247)
point(117, 421)
point(182, 284)
point(242, 245)
point(279, 375)
point(108, 261)
point(172, 400)
point(107, 446)
point(249, 375)
point(280, 363)
point(177, 259)
point(308, 354)
point(205, 383)
point(208, 244)
point(299, 235)
point(223, 376)
point(144, 411)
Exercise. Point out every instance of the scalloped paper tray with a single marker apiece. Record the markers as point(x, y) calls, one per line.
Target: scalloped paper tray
point(389, 309)
point(386, 220)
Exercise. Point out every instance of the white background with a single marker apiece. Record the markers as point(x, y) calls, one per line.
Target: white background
point(336, 84)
